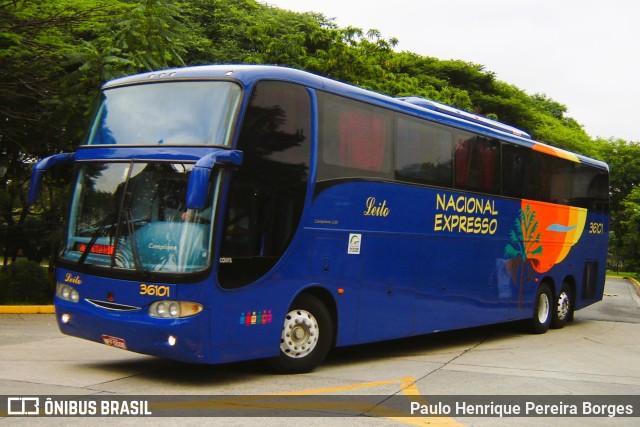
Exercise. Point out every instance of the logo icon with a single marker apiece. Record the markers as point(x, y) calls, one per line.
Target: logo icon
point(23, 406)
point(354, 244)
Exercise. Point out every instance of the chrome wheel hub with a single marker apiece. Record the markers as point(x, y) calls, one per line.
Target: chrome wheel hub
point(300, 334)
point(563, 305)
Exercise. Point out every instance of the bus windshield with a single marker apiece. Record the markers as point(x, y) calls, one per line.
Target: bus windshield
point(132, 216)
point(181, 113)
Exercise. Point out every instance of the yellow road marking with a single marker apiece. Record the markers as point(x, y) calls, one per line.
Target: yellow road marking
point(345, 387)
point(410, 389)
point(269, 402)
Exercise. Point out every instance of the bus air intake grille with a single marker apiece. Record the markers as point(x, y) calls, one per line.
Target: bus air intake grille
point(112, 305)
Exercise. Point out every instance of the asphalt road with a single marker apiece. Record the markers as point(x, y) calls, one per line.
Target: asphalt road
point(597, 354)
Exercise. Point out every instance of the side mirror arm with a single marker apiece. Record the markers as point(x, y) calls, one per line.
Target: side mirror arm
point(201, 174)
point(37, 174)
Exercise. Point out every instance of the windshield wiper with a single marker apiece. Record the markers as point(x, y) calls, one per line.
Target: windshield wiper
point(133, 244)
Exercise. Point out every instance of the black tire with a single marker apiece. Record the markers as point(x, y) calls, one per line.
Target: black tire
point(563, 311)
point(542, 310)
point(307, 336)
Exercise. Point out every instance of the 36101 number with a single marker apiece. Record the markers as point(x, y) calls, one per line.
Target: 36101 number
point(154, 290)
point(596, 228)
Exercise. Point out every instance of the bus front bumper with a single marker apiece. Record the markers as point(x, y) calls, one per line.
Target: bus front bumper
point(177, 339)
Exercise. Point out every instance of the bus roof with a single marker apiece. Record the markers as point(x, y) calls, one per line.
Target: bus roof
point(247, 75)
point(447, 109)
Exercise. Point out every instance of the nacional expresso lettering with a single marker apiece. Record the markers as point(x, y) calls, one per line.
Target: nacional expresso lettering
point(465, 214)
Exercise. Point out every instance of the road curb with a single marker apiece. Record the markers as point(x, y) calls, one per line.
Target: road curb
point(635, 283)
point(26, 309)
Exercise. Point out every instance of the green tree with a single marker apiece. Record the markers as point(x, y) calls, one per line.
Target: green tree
point(54, 56)
point(629, 231)
point(624, 161)
point(35, 37)
point(152, 35)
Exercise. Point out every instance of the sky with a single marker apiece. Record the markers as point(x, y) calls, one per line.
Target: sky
point(584, 54)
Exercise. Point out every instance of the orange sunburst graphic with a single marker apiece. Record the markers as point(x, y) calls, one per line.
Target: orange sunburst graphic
point(560, 228)
point(542, 237)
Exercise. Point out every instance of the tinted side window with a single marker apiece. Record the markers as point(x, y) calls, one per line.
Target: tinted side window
point(575, 184)
point(520, 173)
point(355, 139)
point(424, 152)
point(477, 163)
point(590, 188)
point(532, 175)
point(557, 179)
point(267, 193)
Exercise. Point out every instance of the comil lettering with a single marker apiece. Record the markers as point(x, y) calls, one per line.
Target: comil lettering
point(465, 214)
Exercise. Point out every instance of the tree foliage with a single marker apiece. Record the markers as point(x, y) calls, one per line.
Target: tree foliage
point(56, 55)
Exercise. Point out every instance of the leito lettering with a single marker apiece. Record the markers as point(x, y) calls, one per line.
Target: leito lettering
point(375, 208)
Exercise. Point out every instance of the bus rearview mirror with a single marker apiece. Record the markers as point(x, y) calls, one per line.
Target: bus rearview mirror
point(201, 174)
point(37, 174)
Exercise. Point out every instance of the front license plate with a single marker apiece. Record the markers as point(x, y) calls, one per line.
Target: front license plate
point(114, 342)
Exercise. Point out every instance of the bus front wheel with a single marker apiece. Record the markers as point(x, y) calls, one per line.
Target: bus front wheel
point(542, 310)
point(307, 335)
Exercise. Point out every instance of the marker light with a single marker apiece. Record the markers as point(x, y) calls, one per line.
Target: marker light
point(67, 293)
point(174, 309)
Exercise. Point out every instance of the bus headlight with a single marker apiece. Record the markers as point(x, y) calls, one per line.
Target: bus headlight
point(174, 309)
point(67, 293)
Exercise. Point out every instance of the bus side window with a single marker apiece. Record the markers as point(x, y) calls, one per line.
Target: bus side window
point(355, 139)
point(423, 152)
point(517, 173)
point(477, 163)
point(362, 140)
point(267, 193)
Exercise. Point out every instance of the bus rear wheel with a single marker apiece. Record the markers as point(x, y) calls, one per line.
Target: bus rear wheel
point(307, 335)
point(542, 310)
point(563, 309)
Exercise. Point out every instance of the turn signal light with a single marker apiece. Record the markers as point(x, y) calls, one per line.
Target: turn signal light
point(174, 309)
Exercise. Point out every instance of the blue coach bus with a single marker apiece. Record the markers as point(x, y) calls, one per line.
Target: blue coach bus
point(225, 213)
